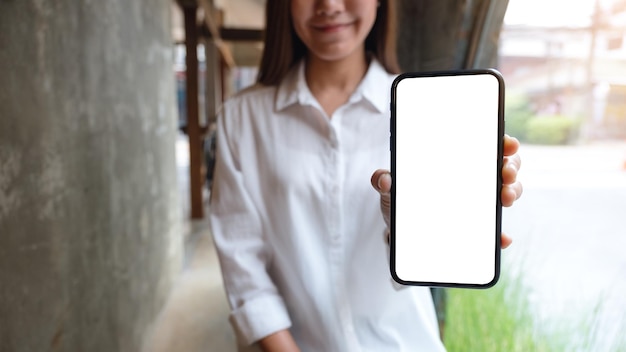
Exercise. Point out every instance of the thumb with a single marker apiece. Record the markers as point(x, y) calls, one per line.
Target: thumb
point(381, 181)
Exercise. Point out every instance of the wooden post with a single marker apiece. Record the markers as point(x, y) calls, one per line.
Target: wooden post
point(193, 123)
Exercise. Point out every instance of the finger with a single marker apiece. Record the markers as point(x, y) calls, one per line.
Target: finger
point(511, 145)
point(510, 193)
point(515, 160)
point(384, 187)
point(381, 181)
point(509, 169)
point(505, 241)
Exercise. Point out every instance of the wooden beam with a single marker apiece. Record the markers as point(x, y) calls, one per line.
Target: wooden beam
point(187, 3)
point(235, 34)
point(231, 34)
point(193, 124)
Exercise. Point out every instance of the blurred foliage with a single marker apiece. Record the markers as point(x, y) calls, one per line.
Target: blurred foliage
point(495, 320)
point(523, 124)
point(551, 129)
point(517, 112)
point(504, 319)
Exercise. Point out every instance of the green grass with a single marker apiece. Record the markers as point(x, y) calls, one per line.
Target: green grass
point(500, 319)
point(495, 319)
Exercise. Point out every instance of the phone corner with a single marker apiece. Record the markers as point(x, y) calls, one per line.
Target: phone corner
point(493, 281)
point(396, 278)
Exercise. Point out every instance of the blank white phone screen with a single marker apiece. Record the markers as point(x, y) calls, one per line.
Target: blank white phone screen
point(446, 189)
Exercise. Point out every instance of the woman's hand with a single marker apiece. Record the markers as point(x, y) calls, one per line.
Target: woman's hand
point(511, 188)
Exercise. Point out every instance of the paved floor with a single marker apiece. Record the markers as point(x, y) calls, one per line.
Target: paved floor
point(195, 317)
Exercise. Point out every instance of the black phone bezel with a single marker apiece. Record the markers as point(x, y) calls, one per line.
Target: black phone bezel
point(498, 203)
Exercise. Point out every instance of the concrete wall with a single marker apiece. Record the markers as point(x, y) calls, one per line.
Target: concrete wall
point(89, 216)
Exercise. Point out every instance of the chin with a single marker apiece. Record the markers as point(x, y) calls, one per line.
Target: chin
point(334, 54)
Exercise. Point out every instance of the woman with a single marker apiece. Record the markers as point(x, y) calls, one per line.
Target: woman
point(297, 227)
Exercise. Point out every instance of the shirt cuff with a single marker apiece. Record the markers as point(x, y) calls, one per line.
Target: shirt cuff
point(259, 318)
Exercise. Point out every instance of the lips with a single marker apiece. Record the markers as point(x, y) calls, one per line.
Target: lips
point(330, 27)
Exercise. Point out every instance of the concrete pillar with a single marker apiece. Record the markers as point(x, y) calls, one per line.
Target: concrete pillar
point(449, 34)
point(90, 221)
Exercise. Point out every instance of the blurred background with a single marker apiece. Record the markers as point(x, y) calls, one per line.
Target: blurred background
point(107, 117)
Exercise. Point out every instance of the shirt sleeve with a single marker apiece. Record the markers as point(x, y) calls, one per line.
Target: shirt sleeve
point(257, 308)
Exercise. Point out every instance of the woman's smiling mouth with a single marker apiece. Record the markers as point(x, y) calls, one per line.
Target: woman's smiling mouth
point(331, 27)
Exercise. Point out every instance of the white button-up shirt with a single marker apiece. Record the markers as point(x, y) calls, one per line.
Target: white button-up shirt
point(297, 225)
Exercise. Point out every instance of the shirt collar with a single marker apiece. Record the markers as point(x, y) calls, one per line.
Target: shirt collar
point(293, 89)
point(370, 87)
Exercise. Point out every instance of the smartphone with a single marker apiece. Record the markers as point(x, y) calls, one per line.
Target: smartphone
point(447, 133)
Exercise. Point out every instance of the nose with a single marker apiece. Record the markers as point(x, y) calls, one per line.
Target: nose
point(328, 7)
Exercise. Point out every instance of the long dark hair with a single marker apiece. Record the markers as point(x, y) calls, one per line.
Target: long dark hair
point(283, 48)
